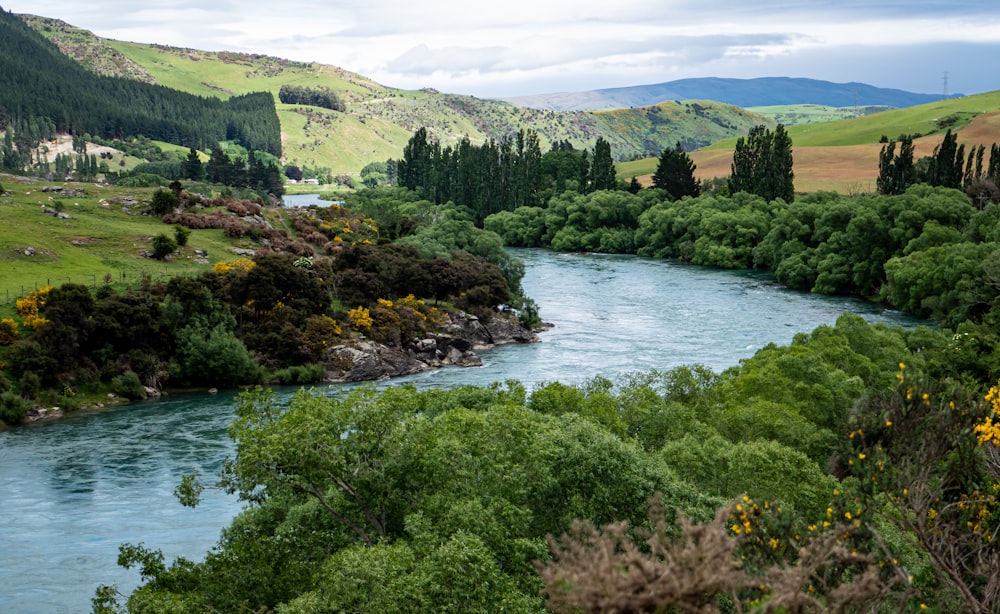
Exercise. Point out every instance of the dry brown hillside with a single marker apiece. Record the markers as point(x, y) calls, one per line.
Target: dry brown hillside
point(847, 169)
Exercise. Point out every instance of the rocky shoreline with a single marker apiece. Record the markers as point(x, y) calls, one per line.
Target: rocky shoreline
point(361, 359)
point(464, 335)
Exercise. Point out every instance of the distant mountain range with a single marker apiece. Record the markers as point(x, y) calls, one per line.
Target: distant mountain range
point(746, 93)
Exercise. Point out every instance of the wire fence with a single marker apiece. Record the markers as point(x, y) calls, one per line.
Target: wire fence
point(119, 280)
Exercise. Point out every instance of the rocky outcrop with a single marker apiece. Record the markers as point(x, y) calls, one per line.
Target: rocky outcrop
point(457, 343)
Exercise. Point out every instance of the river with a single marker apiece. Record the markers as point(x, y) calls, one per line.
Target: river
point(71, 491)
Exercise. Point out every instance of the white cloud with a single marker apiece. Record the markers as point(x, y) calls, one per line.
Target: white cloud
point(520, 47)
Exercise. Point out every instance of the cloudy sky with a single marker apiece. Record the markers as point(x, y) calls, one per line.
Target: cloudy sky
point(526, 47)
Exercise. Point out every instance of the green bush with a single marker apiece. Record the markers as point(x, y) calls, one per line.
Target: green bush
point(163, 246)
point(13, 408)
point(181, 235)
point(211, 357)
point(299, 374)
point(163, 201)
point(128, 385)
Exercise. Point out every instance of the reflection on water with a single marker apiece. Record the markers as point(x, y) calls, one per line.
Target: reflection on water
point(72, 491)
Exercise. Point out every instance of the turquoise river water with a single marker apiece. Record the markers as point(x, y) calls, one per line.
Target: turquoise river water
point(72, 490)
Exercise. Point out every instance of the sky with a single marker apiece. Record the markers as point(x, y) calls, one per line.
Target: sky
point(520, 47)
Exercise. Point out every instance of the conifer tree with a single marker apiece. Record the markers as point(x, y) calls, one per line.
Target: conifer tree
point(896, 172)
point(675, 173)
point(602, 169)
point(762, 164)
point(193, 168)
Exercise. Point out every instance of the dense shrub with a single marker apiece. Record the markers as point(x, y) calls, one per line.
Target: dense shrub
point(163, 246)
point(128, 385)
point(13, 407)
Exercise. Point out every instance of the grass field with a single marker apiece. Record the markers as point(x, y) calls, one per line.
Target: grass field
point(101, 239)
point(794, 114)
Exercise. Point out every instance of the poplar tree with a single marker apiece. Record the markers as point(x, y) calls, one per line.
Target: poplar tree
point(896, 172)
point(947, 165)
point(602, 169)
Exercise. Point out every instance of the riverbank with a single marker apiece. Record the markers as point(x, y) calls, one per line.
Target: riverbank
point(359, 359)
point(462, 337)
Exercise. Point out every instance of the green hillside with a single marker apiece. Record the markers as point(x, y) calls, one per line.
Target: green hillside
point(794, 114)
point(923, 120)
point(88, 234)
point(379, 120)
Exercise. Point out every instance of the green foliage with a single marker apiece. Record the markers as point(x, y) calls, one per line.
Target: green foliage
point(13, 407)
point(896, 172)
point(762, 164)
point(602, 169)
point(211, 357)
point(163, 201)
point(181, 235)
point(925, 456)
point(675, 173)
point(499, 175)
point(128, 385)
point(948, 282)
point(163, 246)
point(317, 97)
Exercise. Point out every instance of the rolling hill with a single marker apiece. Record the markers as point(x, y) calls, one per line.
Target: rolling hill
point(379, 120)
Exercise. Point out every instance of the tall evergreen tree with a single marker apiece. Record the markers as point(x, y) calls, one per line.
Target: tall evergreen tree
point(993, 170)
point(675, 173)
point(762, 164)
point(947, 164)
point(602, 169)
point(415, 167)
point(220, 167)
point(896, 172)
point(193, 168)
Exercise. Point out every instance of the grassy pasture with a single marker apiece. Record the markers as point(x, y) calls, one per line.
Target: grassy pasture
point(101, 237)
point(794, 114)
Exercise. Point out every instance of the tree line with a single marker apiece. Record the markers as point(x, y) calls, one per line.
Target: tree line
point(949, 166)
point(504, 174)
point(315, 96)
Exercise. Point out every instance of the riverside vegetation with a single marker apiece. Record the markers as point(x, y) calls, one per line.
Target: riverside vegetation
point(856, 466)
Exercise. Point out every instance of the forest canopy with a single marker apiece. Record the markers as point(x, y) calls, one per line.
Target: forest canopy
point(37, 81)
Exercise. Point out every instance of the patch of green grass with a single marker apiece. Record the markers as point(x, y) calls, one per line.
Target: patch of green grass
point(636, 168)
point(101, 239)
